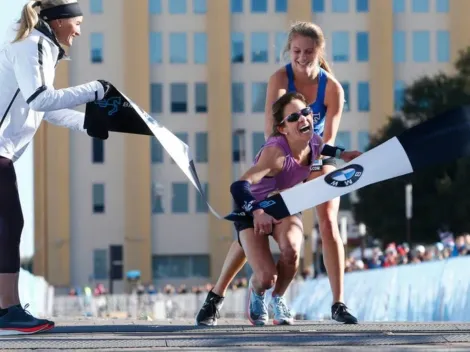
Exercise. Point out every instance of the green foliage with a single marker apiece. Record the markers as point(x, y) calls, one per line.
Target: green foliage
point(441, 194)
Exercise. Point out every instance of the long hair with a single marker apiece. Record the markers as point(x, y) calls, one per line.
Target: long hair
point(30, 15)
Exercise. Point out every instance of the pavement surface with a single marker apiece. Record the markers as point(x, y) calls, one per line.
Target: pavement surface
point(92, 334)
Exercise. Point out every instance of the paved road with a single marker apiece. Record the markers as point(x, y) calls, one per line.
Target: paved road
point(236, 335)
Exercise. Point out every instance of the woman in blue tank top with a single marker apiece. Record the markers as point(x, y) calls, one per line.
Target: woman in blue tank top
point(309, 74)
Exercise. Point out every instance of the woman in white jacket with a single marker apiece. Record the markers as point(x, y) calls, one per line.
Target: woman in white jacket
point(27, 96)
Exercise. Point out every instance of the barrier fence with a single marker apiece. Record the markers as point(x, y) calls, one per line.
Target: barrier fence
point(430, 291)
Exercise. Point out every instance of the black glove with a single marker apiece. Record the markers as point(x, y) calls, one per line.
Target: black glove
point(97, 123)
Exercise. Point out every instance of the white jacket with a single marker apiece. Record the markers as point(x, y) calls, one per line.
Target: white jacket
point(27, 93)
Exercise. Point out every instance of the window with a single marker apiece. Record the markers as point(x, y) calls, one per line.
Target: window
point(98, 150)
point(200, 48)
point(258, 96)
point(443, 46)
point(156, 98)
point(237, 148)
point(238, 97)
point(343, 139)
point(178, 52)
point(157, 198)
point(155, 48)
point(96, 45)
point(100, 264)
point(399, 95)
point(180, 266)
point(201, 205)
point(280, 6)
point(201, 97)
point(257, 142)
point(96, 6)
point(202, 147)
point(156, 151)
point(179, 97)
point(155, 7)
point(347, 100)
point(199, 6)
point(179, 201)
point(318, 5)
point(420, 6)
point(237, 47)
point(98, 198)
point(177, 6)
point(362, 5)
point(259, 6)
point(421, 43)
point(442, 5)
point(280, 41)
point(340, 46)
point(363, 140)
point(340, 6)
point(363, 101)
point(362, 42)
point(399, 46)
point(259, 47)
point(398, 6)
point(236, 6)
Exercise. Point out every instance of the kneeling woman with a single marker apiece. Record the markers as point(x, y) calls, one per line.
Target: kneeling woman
point(283, 162)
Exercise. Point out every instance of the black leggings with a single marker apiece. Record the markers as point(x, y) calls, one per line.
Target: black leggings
point(11, 219)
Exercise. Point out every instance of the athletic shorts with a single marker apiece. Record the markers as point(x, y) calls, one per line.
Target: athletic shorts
point(243, 225)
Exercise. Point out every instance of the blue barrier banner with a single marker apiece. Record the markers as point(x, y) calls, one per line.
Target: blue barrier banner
point(430, 291)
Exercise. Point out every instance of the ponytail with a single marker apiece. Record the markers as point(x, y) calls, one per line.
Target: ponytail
point(29, 19)
point(324, 65)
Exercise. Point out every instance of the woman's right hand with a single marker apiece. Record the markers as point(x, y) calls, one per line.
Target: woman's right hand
point(263, 222)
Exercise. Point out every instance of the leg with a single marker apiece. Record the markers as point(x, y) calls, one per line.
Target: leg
point(288, 235)
point(232, 265)
point(264, 275)
point(14, 319)
point(333, 250)
point(209, 312)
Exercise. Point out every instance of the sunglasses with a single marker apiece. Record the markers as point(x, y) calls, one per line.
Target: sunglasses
point(295, 116)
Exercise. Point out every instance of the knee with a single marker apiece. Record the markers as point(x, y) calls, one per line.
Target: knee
point(267, 279)
point(289, 255)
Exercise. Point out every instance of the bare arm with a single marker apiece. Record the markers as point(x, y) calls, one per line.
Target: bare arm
point(269, 163)
point(334, 101)
point(273, 92)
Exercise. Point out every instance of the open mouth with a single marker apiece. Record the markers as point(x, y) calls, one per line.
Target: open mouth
point(305, 128)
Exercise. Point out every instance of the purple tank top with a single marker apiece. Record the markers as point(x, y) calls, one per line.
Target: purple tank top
point(292, 172)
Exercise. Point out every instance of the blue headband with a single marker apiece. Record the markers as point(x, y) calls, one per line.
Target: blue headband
point(61, 11)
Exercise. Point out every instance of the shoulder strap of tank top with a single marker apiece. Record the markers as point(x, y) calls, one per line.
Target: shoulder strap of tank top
point(290, 78)
point(276, 141)
point(322, 80)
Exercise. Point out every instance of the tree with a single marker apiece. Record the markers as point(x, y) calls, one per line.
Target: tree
point(440, 194)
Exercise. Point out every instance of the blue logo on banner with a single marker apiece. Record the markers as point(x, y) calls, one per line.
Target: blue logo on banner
point(113, 102)
point(345, 177)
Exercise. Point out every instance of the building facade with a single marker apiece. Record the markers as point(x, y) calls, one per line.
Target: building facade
point(201, 68)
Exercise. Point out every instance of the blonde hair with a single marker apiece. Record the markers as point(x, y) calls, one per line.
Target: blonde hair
point(30, 16)
point(310, 30)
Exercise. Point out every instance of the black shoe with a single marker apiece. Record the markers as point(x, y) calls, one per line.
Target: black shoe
point(18, 321)
point(339, 312)
point(209, 312)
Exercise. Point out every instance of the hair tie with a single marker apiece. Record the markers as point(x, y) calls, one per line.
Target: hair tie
point(37, 3)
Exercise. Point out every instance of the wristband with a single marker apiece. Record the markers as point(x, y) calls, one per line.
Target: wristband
point(243, 197)
point(334, 152)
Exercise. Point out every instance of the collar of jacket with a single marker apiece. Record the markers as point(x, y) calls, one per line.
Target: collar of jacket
point(45, 29)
